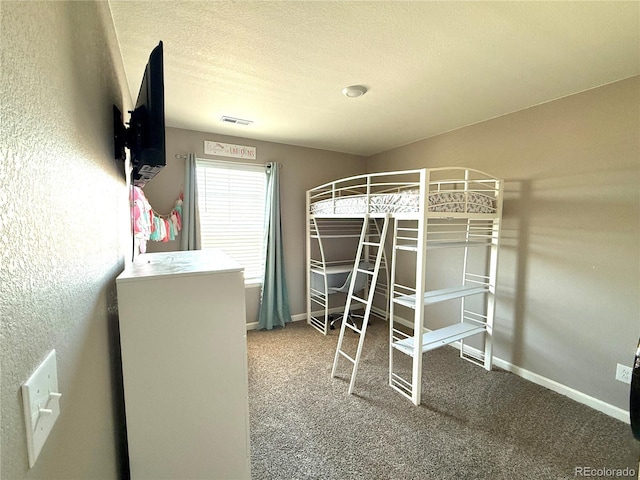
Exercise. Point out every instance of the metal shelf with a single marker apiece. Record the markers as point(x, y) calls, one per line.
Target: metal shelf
point(436, 296)
point(440, 337)
point(333, 269)
point(444, 244)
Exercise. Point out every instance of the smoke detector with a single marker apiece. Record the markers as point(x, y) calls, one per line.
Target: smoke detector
point(354, 91)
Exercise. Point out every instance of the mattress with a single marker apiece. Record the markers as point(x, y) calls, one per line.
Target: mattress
point(407, 201)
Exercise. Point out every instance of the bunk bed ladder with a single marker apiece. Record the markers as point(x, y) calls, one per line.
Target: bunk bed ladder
point(382, 283)
point(361, 256)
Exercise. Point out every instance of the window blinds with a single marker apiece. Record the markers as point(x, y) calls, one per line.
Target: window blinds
point(231, 205)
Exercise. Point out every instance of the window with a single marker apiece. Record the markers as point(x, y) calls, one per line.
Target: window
point(231, 206)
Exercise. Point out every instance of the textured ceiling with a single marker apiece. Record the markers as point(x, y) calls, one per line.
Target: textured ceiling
point(430, 67)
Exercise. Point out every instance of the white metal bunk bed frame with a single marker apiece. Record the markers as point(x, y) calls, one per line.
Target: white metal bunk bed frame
point(481, 228)
point(324, 232)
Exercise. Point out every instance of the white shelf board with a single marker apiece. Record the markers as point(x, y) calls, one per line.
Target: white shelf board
point(332, 269)
point(440, 337)
point(336, 236)
point(435, 296)
point(444, 244)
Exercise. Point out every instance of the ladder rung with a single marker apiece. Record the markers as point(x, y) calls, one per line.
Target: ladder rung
point(353, 327)
point(401, 381)
point(368, 272)
point(346, 356)
point(371, 244)
point(408, 248)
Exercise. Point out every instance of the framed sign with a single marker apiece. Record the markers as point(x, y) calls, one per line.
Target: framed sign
point(229, 150)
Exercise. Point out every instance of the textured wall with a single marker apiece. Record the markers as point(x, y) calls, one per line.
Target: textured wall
point(64, 231)
point(568, 280)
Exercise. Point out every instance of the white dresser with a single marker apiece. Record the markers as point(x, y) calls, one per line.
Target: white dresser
point(184, 362)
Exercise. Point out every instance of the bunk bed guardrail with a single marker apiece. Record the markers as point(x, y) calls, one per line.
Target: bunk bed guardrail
point(449, 190)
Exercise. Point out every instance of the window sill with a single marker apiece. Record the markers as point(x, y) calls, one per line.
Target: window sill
point(253, 284)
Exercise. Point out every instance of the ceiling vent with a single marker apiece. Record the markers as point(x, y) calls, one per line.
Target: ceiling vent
point(236, 121)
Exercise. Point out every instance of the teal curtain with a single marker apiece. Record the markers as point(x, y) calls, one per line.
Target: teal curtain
point(190, 233)
point(274, 304)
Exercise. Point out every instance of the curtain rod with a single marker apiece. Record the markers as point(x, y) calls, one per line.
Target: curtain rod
point(184, 157)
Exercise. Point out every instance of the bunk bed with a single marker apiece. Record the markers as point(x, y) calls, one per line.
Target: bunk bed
point(429, 209)
point(332, 243)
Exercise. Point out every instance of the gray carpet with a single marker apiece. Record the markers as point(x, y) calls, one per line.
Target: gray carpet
point(472, 424)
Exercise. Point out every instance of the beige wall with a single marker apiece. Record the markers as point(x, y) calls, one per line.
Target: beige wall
point(569, 265)
point(302, 169)
point(569, 268)
point(64, 232)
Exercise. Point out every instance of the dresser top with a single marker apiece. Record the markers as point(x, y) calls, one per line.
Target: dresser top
point(192, 262)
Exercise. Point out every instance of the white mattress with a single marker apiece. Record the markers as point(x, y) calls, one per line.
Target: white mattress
point(406, 201)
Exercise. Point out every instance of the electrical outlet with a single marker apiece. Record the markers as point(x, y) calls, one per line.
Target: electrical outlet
point(623, 373)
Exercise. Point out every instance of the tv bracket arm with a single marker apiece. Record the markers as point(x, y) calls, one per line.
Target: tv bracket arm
point(123, 136)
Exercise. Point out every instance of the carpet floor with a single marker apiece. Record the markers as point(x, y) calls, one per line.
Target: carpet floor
point(471, 424)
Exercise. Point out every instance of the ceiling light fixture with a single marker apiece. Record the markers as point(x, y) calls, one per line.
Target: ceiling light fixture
point(354, 91)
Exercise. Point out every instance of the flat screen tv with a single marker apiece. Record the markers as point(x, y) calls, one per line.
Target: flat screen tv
point(145, 136)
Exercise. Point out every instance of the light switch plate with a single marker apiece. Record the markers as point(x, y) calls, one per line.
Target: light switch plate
point(41, 401)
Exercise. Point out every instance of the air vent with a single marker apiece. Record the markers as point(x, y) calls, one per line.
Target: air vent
point(236, 121)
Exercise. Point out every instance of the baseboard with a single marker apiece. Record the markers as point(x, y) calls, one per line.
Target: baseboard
point(580, 397)
point(297, 317)
point(303, 316)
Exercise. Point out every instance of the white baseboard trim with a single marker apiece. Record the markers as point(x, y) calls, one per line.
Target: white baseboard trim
point(303, 316)
point(297, 317)
point(300, 316)
point(580, 397)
